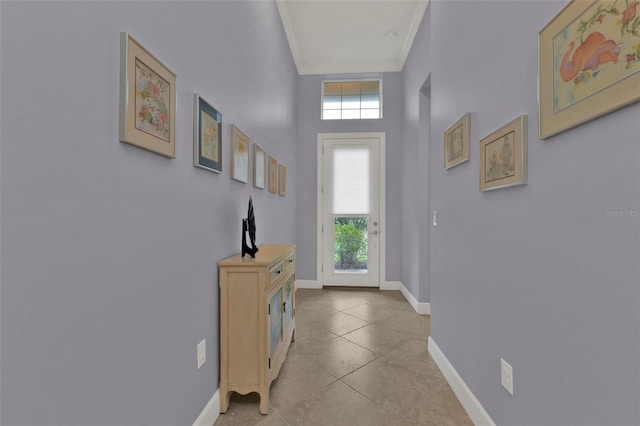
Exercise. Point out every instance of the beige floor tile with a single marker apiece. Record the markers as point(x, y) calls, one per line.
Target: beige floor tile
point(393, 388)
point(244, 410)
point(340, 323)
point(337, 405)
point(414, 356)
point(298, 379)
point(439, 408)
point(377, 373)
point(410, 325)
point(378, 337)
point(338, 357)
point(371, 313)
point(306, 335)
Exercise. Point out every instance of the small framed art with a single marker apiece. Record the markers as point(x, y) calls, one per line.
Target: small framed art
point(207, 136)
point(273, 175)
point(239, 155)
point(259, 166)
point(503, 156)
point(147, 99)
point(589, 59)
point(282, 180)
point(456, 142)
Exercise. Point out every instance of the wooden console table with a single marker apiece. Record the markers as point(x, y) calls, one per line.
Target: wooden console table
point(257, 320)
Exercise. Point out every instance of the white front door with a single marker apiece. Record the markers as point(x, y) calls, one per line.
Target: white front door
point(351, 166)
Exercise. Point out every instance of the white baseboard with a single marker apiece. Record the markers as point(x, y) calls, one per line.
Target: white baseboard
point(310, 284)
point(390, 285)
point(423, 308)
point(211, 411)
point(472, 406)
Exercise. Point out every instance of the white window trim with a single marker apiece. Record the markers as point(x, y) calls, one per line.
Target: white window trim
point(379, 80)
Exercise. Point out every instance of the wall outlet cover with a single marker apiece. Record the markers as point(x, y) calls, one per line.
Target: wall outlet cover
point(506, 375)
point(201, 353)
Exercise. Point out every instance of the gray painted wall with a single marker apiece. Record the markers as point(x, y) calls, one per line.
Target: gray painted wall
point(309, 125)
point(109, 275)
point(416, 209)
point(539, 275)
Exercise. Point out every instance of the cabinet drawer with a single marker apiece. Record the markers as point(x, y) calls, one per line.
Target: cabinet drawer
point(290, 261)
point(276, 271)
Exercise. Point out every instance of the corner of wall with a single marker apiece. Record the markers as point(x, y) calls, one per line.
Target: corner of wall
point(472, 406)
point(211, 411)
point(420, 307)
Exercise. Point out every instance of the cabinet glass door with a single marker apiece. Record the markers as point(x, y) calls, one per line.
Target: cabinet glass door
point(275, 320)
point(288, 300)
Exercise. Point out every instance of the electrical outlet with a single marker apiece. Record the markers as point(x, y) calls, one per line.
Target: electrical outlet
point(201, 352)
point(506, 374)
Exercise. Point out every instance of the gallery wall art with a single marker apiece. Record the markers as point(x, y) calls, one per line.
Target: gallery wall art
point(147, 99)
point(589, 59)
point(282, 180)
point(259, 166)
point(239, 155)
point(456, 142)
point(273, 175)
point(503, 156)
point(207, 136)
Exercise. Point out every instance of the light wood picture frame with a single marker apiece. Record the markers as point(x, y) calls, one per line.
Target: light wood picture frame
point(273, 175)
point(207, 136)
point(282, 180)
point(240, 145)
point(457, 142)
point(147, 99)
point(259, 166)
point(589, 63)
point(503, 156)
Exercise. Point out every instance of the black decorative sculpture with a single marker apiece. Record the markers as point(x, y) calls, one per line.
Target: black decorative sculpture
point(249, 224)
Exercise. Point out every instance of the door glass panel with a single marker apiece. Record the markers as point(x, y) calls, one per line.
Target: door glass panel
point(351, 177)
point(275, 320)
point(288, 299)
point(350, 252)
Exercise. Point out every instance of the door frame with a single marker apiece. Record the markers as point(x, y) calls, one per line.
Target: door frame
point(382, 199)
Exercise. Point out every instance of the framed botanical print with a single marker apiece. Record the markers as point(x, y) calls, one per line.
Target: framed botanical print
point(147, 99)
point(589, 59)
point(503, 156)
point(259, 166)
point(273, 175)
point(207, 136)
point(282, 180)
point(456, 142)
point(239, 155)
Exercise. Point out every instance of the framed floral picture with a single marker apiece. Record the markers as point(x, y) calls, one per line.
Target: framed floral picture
point(207, 136)
point(456, 142)
point(273, 175)
point(239, 155)
point(259, 166)
point(589, 59)
point(147, 99)
point(503, 156)
point(282, 180)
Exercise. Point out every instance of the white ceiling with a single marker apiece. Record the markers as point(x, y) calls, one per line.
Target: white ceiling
point(350, 36)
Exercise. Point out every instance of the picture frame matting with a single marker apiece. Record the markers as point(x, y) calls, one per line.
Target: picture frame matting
point(147, 99)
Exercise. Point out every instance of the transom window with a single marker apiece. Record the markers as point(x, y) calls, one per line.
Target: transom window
point(351, 100)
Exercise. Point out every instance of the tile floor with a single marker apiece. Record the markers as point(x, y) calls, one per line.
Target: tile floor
point(359, 358)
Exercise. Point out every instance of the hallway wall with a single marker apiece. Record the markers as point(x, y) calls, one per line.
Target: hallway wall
point(416, 216)
point(109, 252)
point(540, 275)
